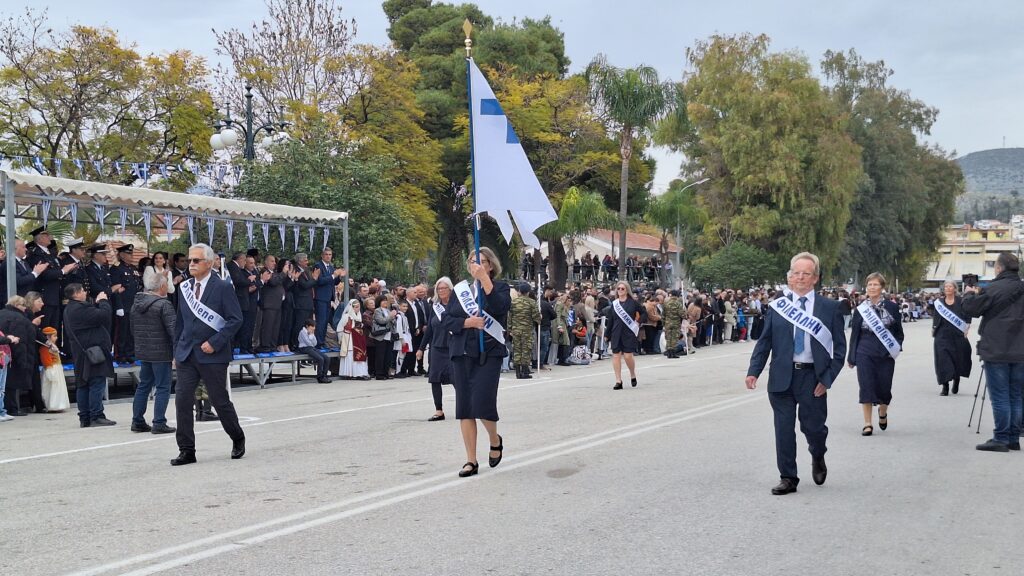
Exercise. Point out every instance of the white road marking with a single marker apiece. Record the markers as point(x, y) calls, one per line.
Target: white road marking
point(395, 495)
point(166, 437)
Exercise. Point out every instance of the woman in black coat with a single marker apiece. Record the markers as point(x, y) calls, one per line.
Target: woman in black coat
point(875, 365)
point(24, 354)
point(475, 372)
point(621, 338)
point(952, 349)
point(439, 367)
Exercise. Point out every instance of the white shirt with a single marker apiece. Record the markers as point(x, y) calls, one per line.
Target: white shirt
point(806, 356)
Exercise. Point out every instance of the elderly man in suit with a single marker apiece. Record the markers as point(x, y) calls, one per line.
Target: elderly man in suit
point(208, 318)
point(327, 277)
point(804, 334)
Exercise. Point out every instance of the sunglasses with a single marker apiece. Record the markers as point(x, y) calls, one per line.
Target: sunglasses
point(197, 260)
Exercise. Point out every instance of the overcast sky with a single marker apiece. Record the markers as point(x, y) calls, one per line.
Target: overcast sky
point(965, 58)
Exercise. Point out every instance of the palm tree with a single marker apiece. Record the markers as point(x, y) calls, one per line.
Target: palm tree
point(675, 210)
point(579, 213)
point(632, 100)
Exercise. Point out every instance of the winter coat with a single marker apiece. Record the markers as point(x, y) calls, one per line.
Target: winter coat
point(1001, 308)
point(153, 319)
point(24, 354)
point(90, 324)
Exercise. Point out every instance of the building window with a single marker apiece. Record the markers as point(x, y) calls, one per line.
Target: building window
point(990, 263)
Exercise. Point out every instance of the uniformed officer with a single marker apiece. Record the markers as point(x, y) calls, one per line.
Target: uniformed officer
point(75, 255)
point(126, 282)
point(523, 318)
point(98, 271)
point(48, 282)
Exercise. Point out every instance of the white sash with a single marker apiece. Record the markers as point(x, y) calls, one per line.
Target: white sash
point(209, 317)
point(438, 309)
point(804, 320)
point(875, 323)
point(950, 317)
point(468, 302)
point(626, 318)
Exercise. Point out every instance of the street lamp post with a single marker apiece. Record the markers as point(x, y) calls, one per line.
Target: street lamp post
point(679, 269)
point(226, 135)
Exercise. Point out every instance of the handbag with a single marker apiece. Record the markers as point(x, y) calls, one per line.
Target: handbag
point(94, 354)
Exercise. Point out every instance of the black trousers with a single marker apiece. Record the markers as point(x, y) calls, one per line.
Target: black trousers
point(124, 347)
point(214, 376)
point(270, 326)
point(416, 341)
point(318, 358)
point(243, 338)
point(382, 350)
point(812, 411)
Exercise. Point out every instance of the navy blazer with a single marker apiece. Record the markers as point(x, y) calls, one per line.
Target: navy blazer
point(855, 328)
point(323, 290)
point(190, 332)
point(777, 339)
point(465, 341)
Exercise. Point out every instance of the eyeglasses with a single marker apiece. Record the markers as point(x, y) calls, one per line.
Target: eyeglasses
point(801, 274)
point(196, 260)
point(621, 289)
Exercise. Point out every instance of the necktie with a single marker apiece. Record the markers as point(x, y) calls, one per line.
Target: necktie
point(798, 334)
point(198, 287)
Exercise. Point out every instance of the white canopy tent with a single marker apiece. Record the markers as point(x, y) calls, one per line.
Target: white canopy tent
point(22, 191)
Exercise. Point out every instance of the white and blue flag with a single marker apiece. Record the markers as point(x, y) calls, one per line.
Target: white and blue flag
point(503, 179)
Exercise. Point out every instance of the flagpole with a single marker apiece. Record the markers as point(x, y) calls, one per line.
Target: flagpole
point(467, 27)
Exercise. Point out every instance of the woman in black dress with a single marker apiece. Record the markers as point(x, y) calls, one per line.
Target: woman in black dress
point(621, 338)
point(434, 336)
point(475, 373)
point(952, 349)
point(875, 366)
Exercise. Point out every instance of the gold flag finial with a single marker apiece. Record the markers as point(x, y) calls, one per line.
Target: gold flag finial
point(467, 27)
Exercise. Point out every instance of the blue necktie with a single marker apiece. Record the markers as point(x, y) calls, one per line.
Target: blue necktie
point(798, 334)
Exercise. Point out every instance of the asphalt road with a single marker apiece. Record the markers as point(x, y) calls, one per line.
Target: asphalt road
point(672, 477)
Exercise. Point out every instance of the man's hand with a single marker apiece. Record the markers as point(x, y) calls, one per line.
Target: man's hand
point(851, 364)
point(266, 276)
point(820, 390)
point(340, 272)
point(419, 354)
point(971, 290)
point(252, 288)
point(101, 297)
point(120, 312)
point(179, 278)
point(117, 288)
point(316, 274)
point(751, 382)
point(69, 267)
point(473, 322)
point(206, 347)
point(14, 339)
point(40, 268)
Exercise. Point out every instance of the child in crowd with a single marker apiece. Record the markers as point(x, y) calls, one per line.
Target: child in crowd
point(307, 346)
point(55, 387)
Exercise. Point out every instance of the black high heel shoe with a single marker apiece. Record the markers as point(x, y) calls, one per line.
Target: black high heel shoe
point(632, 382)
point(492, 462)
point(473, 469)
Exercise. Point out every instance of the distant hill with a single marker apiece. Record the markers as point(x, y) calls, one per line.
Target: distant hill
point(994, 172)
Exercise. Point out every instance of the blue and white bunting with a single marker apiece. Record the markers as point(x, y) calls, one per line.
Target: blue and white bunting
point(169, 223)
point(122, 219)
point(296, 229)
point(327, 234)
point(266, 235)
point(248, 232)
point(230, 225)
point(73, 207)
point(190, 220)
point(210, 223)
point(101, 216)
point(45, 208)
point(280, 232)
point(147, 219)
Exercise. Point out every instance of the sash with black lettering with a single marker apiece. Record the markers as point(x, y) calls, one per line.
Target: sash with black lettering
point(950, 317)
point(626, 318)
point(438, 309)
point(469, 304)
point(875, 323)
point(200, 310)
point(804, 320)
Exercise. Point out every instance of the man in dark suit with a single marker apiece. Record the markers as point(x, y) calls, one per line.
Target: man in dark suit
point(25, 276)
point(48, 282)
point(802, 370)
point(243, 282)
point(208, 318)
point(327, 278)
point(302, 300)
point(417, 317)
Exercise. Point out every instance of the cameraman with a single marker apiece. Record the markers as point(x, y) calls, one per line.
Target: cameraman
point(1001, 308)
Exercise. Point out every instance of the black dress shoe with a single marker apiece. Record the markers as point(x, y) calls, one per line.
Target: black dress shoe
point(992, 446)
point(818, 470)
point(632, 382)
point(492, 462)
point(786, 486)
point(101, 421)
point(471, 471)
point(618, 386)
point(184, 457)
point(436, 418)
point(162, 429)
point(143, 427)
point(84, 424)
point(18, 413)
point(238, 448)
point(1013, 445)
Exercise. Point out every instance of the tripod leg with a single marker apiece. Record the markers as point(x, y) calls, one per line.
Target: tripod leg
point(981, 410)
point(981, 374)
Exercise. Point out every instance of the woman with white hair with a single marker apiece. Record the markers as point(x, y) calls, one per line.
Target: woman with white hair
point(439, 359)
point(950, 327)
point(353, 342)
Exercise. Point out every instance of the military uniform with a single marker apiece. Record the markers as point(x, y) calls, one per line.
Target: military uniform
point(523, 316)
point(48, 282)
point(673, 317)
